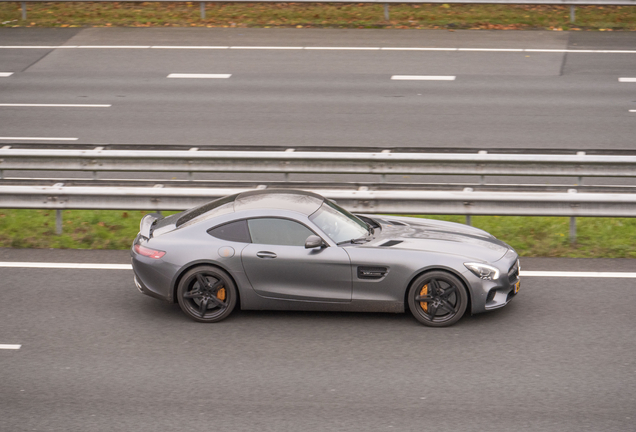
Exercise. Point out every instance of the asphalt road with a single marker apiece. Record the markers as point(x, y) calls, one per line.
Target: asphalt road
point(309, 97)
point(98, 356)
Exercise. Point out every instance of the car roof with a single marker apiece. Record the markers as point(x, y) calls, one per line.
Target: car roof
point(281, 199)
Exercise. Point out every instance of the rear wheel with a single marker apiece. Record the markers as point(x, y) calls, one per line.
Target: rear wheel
point(206, 294)
point(437, 299)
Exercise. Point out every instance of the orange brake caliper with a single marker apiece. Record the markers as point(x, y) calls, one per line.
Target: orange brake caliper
point(423, 292)
point(220, 294)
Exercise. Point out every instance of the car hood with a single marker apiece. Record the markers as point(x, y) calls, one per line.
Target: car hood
point(438, 236)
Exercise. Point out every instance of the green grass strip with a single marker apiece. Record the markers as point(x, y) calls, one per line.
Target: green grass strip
point(317, 15)
point(530, 236)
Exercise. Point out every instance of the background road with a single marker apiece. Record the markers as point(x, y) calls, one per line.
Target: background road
point(98, 356)
point(520, 99)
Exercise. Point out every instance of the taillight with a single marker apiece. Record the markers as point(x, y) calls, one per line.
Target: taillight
point(151, 253)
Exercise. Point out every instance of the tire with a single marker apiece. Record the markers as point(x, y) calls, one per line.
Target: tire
point(437, 299)
point(212, 303)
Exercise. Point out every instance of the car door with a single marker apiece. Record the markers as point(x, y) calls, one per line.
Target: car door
point(278, 265)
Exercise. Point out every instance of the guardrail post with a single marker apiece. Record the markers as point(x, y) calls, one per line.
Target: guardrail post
point(386, 11)
point(573, 230)
point(58, 221)
point(23, 10)
point(469, 220)
point(572, 13)
point(202, 10)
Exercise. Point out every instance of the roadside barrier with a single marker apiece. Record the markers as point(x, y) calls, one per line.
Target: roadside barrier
point(359, 196)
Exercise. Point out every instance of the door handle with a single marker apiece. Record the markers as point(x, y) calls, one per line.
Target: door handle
point(265, 254)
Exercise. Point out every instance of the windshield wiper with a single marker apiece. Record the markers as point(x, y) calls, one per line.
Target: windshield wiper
point(359, 240)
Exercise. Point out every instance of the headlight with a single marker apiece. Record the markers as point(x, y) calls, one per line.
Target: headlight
point(484, 271)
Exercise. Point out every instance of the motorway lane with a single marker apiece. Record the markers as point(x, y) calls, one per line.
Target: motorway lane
point(97, 355)
point(308, 98)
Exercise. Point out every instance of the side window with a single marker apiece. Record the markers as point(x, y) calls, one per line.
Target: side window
point(233, 231)
point(278, 232)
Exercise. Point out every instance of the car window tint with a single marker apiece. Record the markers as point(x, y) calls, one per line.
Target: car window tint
point(278, 232)
point(233, 231)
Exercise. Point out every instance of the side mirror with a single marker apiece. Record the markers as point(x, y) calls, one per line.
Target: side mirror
point(313, 241)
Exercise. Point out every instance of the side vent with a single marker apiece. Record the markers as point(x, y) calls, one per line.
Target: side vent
point(392, 222)
point(372, 272)
point(391, 243)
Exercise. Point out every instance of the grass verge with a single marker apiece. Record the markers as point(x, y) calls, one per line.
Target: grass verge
point(323, 15)
point(530, 236)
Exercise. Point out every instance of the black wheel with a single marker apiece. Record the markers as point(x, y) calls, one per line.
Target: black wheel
point(437, 299)
point(206, 294)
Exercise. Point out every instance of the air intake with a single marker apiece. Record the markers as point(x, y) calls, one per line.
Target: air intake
point(391, 243)
point(396, 223)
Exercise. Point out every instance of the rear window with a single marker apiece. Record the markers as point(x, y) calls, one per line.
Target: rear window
point(188, 215)
point(233, 231)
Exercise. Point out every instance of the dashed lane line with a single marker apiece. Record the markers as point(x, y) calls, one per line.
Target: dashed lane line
point(627, 79)
point(98, 266)
point(37, 139)
point(423, 77)
point(318, 48)
point(56, 105)
point(10, 346)
point(183, 75)
point(5, 74)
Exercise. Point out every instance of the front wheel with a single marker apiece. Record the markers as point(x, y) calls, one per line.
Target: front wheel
point(437, 299)
point(206, 294)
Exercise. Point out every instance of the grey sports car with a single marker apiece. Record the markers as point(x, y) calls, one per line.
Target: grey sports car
point(295, 250)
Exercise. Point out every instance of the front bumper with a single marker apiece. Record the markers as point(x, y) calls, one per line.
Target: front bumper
point(489, 295)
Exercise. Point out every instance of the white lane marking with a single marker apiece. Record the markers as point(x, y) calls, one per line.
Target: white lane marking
point(56, 105)
point(97, 266)
point(632, 110)
point(8, 346)
point(37, 139)
point(181, 75)
point(84, 266)
point(268, 47)
point(627, 79)
point(187, 47)
point(424, 77)
point(115, 46)
point(492, 49)
point(255, 47)
point(5, 74)
point(574, 274)
point(345, 48)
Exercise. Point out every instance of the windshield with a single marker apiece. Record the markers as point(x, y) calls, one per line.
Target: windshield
point(338, 224)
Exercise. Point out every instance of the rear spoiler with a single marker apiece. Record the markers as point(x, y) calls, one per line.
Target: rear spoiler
point(145, 226)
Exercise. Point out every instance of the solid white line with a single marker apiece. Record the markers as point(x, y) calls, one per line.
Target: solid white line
point(55, 105)
point(267, 47)
point(97, 266)
point(627, 80)
point(492, 49)
point(48, 265)
point(345, 48)
point(423, 77)
point(115, 46)
point(38, 139)
point(538, 50)
point(5, 74)
point(417, 49)
point(180, 75)
point(573, 274)
point(7, 346)
point(187, 47)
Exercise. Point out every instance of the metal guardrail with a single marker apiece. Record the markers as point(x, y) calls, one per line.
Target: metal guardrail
point(382, 163)
point(388, 199)
point(571, 3)
point(465, 202)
